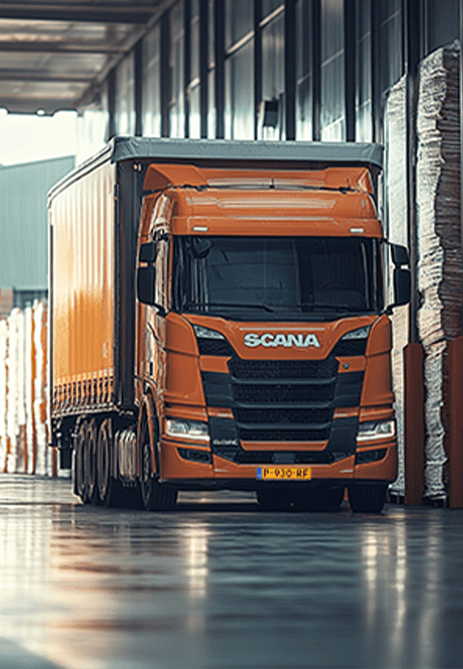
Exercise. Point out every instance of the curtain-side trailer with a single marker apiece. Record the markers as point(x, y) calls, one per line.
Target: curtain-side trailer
point(219, 319)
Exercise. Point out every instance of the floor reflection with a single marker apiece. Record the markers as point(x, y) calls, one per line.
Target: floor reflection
point(202, 587)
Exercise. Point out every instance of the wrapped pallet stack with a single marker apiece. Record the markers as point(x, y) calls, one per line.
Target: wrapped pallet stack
point(396, 228)
point(439, 252)
point(23, 403)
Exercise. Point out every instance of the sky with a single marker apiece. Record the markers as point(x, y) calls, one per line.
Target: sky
point(26, 138)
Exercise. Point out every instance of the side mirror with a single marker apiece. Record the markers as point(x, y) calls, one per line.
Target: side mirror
point(147, 252)
point(399, 255)
point(402, 286)
point(145, 284)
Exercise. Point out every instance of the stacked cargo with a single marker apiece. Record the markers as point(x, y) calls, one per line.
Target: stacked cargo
point(439, 252)
point(23, 405)
point(396, 223)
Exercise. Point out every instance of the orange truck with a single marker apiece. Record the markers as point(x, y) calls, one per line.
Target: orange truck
point(219, 320)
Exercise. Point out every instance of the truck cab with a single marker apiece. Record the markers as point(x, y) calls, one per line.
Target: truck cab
point(263, 356)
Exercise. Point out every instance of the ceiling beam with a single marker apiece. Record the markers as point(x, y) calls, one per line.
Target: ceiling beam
point(36, 46)
point(84, 11)
point(33, 75)
point(16, 105)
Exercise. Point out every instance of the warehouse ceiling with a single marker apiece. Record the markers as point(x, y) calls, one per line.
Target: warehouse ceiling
point(54, 54)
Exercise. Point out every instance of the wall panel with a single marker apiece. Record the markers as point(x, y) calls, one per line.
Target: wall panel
point(125, 97)
point(363, 103)
point(176, 94)
point(239, 94)
point(332, 71)
point(151, 83)
point(273, 69)
point(304, 77)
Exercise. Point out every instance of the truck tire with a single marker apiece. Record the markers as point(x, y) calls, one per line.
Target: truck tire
point(154, 495)
point(90, 461)
point(109, 490)
point(80, 478)
point(367, 498)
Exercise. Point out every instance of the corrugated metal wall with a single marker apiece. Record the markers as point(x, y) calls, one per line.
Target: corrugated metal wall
point(205, 68)
point(23, 220)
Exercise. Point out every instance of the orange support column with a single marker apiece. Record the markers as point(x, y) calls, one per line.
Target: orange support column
point(456, 423)
point(414, 424)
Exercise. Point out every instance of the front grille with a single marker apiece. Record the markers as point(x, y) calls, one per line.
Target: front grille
point(278, 393)
point(281, 416)
point(284, 369)
point(283, 400)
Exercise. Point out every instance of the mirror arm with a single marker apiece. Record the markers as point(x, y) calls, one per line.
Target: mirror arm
point(160, 309)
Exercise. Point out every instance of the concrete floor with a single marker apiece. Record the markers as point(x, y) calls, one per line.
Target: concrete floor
point(218, 584)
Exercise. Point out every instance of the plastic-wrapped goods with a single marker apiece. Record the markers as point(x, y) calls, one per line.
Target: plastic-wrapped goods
point(16, 415)
point(43, 453)
point(396, 226)
point(4, 341)
point(439, 253)
point(23, 406)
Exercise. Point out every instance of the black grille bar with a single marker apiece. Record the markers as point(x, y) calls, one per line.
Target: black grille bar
point(285, 370)
point(287, 427)
point(293, 382)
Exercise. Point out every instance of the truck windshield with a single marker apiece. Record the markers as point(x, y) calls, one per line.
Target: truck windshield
point(277, 278)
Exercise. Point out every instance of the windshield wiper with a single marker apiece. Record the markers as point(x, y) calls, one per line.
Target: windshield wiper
point(232, 305)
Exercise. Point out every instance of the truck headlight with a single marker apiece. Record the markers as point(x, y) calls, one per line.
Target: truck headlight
point(206, 333)
point(187, 429)
point(378, 429)
point(360, 333)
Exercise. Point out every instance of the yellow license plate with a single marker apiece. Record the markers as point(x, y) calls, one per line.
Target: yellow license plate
point(285, 473)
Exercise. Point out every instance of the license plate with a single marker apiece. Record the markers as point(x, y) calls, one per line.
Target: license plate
point(285, 473)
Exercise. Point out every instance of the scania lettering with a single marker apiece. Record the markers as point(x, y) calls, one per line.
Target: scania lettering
point(219, 320)
point(301, 341)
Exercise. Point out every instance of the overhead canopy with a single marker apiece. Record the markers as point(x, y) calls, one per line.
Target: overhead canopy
point(54, 54)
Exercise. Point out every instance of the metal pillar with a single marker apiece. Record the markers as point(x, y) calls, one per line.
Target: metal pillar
point(413, 354)
point(349, 68)
point(316, 69)
point(290, 69)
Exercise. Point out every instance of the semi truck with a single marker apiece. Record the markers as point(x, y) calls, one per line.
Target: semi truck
point(220, 319)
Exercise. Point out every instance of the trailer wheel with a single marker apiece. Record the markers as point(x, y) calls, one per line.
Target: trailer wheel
point(108, 488)
point(367, 498)
point(90, 461)
point(80, 479)
point(154, 495)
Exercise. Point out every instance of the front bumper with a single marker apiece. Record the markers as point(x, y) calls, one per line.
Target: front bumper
point(218, 471)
